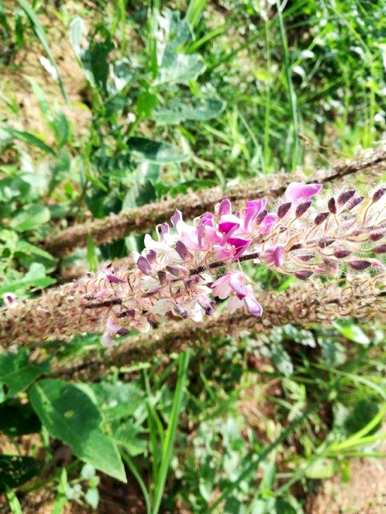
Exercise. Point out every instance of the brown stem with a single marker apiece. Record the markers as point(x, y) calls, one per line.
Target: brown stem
point(304, 306)
point(141, 219)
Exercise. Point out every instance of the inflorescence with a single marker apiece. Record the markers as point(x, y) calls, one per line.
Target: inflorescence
point(188, 268)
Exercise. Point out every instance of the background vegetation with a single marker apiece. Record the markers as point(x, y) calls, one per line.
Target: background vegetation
point(106, 106)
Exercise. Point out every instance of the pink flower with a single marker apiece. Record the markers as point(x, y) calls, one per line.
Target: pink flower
point(269, 221)
point(275, 256)
point(234, 285)
point(229, 223)
point(298, 191)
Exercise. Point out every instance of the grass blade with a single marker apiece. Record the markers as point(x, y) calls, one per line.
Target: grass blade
point(194, 12)
point(167, 449)
point(41, 35)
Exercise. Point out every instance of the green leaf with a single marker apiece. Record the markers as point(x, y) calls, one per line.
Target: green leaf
point(180, 69)
point(15, 471)
point(352, 332)
point(200, 110)
point(70, 415)
point(31, 218)
point(175, 66)
point(76, 33)
point(117, 400)
point(195, 10)
point(30, 249)
point(18, 419)
point(17, 373)
point(320, 469)
point(96, 60)
point(28, 138)
point(127, 434)
point(156, 151)
point(61, 127)
point(36, 277)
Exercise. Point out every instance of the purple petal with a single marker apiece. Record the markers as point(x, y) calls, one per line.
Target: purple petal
point(252, 210)
point(225, 207)
point(113, 279)
point(177, 216)
point(268, 222)
point(228, 222)
point(236, 281)
point(207, 219)
point(151, 256)
point(253, 306)
point(299, 191)
point(143, 265)
point(182, 251)
point(162, 230)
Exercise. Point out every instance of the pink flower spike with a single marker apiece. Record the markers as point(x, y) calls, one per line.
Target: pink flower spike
point(228, 223)
point(275, 256)
point(253, 306)
point(268, 222)
point(299, 191)
point(224, 207)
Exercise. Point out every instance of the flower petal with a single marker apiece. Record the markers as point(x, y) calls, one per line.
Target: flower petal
point(299, 191)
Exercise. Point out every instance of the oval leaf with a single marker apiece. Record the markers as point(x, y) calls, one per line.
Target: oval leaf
point(156, 151)
point(70, 415)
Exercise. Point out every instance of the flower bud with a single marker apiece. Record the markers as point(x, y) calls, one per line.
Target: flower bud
point(261, 216)
point(303, 274)
point(113, 279)
point(332, 205)
point(122, 332)
point(376, 236)
point(380, 249)
point(162, 277)
point(354, 202)
point(341, 254)
point(359, 265)
point(302, 208)
point(321, 217)
point(323, 243)
point(283, 209)
point(345, 196)
point(378, 194)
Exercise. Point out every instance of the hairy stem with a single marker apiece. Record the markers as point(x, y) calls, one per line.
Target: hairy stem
point(116, 226)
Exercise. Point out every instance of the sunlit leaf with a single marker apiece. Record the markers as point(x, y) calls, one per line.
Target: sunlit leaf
point(70, 415)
